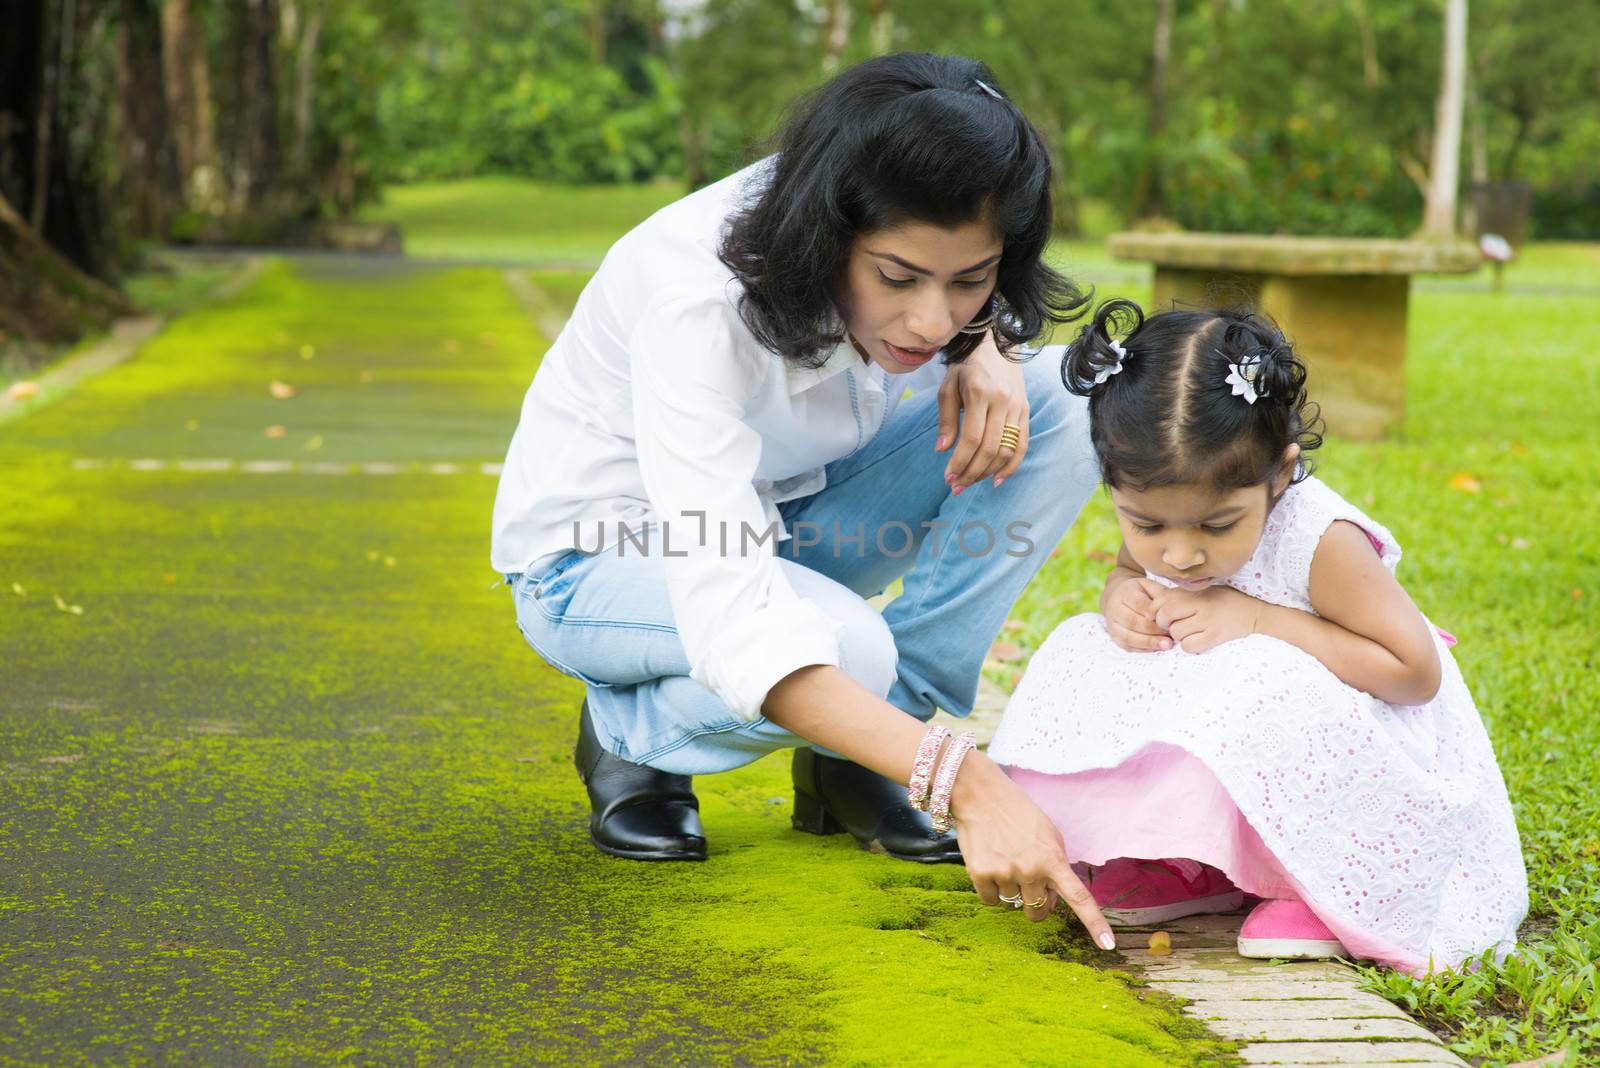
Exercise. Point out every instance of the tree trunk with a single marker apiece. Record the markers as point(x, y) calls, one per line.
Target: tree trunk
point(21, 77)
point(837, 36)
point(148, 183)
point(1371, 72)
point(1152, 200)
point(1439, 209)
point(880, 23)
point(250, 141)
point(305, 90)
point(44, 298)
point(51, 52)
point(188, 82)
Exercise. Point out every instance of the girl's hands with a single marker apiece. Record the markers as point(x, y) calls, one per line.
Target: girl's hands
point(1012, 848)
point(1204, 619)
point(980, 396)
point(1129, 605)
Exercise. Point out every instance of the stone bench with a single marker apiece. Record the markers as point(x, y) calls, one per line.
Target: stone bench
point(1342, 301)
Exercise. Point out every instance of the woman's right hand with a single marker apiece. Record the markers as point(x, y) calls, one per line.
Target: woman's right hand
point(1011, 848)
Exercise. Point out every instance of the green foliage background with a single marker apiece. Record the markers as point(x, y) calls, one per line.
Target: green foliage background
point(1281, 116)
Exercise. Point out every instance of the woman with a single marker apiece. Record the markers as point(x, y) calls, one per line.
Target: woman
point(774, 398)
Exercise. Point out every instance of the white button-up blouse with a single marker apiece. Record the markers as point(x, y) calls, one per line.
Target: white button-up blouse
point(657, 412)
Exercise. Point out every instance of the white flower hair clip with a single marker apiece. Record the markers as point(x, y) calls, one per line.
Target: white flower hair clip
point(1116, 368)
point(1242, 377)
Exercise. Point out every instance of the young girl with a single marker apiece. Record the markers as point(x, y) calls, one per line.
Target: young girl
point(1261, 709)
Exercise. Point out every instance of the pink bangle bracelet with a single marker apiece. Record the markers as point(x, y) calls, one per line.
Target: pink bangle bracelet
point(922, 767)
point(944, 782)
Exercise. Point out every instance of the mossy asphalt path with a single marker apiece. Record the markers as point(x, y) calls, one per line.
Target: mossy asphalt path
point(291, 789)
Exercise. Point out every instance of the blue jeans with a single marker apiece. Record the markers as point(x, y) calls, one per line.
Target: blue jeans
point(606, 620)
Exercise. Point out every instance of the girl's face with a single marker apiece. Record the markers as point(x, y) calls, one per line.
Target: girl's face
point(1194, 535)
point(908, 289)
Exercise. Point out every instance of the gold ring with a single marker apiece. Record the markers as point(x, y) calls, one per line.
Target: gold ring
point(1037, 904)
point(1010, 428)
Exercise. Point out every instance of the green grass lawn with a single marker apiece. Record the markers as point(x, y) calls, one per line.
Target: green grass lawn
point(513, 221)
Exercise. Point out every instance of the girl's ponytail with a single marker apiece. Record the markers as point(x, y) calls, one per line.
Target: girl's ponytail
point(1280, 375)
point(1281, 410)
point(1094, 359)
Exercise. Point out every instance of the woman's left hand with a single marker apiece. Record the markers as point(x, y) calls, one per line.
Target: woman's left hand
point(981, 395)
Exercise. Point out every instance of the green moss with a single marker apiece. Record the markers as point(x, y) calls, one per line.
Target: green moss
point(273, 798)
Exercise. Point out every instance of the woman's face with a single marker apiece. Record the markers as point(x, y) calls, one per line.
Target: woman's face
point(908, 289)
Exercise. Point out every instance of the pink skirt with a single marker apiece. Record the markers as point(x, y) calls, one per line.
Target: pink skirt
point(1163, 802)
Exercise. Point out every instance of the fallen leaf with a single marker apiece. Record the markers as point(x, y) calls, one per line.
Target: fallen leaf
point(64, 758)
point(74, 609)
point(366, 376)
point(275, 431)
point(16, 588)
point(22, 390)
point(170, 578)
point(315, 443)
point(1160, 944)
point(1465, 482)
point(1013, 625)
point(307, 351)
point(282, 390)
point(488, 341)
point(1100, 556)
point(1577, 594)
point(452, 345)
point(372, 554)
point(1519, 543)
point(389, 561)
point(1004, 651)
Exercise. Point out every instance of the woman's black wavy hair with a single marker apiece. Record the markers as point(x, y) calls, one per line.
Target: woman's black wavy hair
point(1171, 417)
point(898, 138)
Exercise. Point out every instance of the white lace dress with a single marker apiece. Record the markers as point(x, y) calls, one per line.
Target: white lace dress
point(1391, 822)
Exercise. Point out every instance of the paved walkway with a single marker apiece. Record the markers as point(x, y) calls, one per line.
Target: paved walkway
point(1301, 1013)
point(271, 761)
point(280, 783)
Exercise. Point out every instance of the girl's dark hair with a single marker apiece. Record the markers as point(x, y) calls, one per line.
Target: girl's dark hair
point(899, 138)
point(1171, 416)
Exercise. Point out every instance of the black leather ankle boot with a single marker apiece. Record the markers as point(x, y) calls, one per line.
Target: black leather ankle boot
point(833, 795)
point(634, 811)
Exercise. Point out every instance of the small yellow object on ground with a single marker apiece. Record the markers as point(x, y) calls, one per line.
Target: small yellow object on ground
point(1160, 944)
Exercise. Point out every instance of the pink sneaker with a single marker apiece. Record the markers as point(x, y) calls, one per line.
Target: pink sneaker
point(1287, 930)
point(1134, 893)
